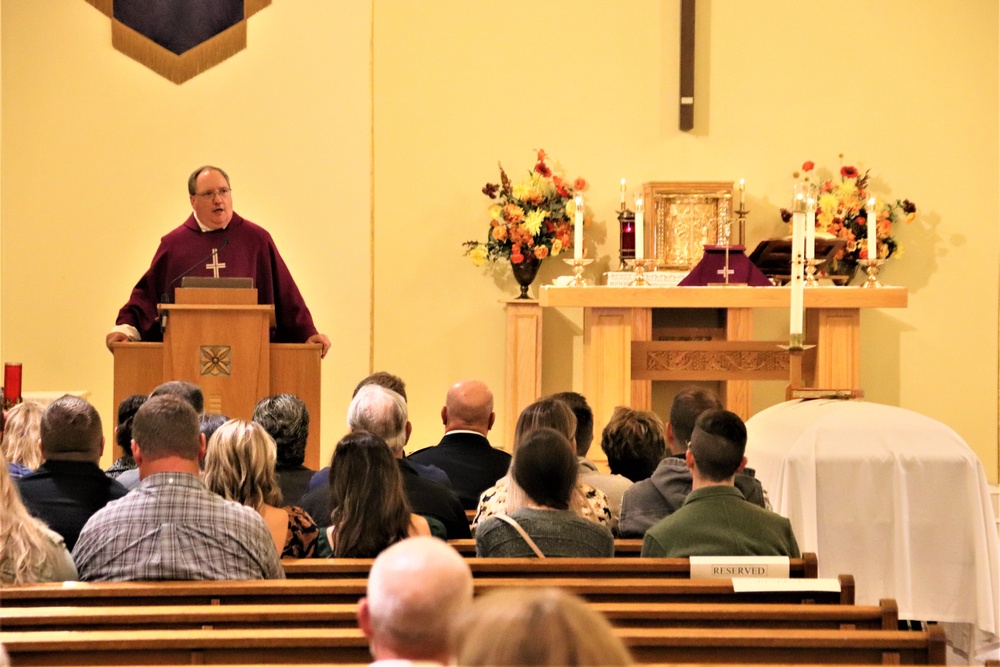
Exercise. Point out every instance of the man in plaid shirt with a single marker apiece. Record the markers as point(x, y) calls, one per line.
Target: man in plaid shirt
point(171, 527)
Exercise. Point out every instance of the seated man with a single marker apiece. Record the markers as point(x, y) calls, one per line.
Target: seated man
point(69, 486)
point(286, 419)
point(664, 492)
point(613, 485)
point(715, 519)
point(188, 391)
point(464, 453)
point(171, 526)
point(416, 590)
point(383, 412)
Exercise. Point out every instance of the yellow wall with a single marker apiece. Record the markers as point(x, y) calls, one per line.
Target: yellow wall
point(95, 149)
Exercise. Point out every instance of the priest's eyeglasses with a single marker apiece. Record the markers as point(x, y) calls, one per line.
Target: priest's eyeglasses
point(210, 195)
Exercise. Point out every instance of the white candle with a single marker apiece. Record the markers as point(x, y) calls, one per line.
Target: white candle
point(623, 194)
point(798, 231)
point(872, 248)
point(578, 229)
point(811, 229)
point(640, 215)
point(743, 187)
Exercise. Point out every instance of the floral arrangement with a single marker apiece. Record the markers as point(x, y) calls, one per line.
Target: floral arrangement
point(842, 213)
point(531, 218)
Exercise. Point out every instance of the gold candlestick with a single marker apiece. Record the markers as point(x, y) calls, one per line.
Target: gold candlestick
point(811, 273)
point(871, 267)
point(578, 264)
point(639, 267)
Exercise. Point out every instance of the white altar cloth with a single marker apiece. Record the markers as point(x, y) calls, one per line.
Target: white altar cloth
point(893, 497)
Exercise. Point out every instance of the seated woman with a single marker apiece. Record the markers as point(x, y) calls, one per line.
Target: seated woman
point(545, 469)
point(20, 438)
point(31, 553)
point(239, 466)
point(370, 509)
point(505, 497)
point(542, 626)
point(123, 434)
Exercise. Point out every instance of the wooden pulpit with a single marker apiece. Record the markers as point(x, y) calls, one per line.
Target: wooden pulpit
point(218, 339)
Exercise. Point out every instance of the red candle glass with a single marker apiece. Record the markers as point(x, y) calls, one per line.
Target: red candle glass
point(11, 385)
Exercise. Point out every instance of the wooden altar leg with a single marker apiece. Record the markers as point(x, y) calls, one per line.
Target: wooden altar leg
point(736, 394)
point(607, 361)
point(838, 348)
point(523, 372)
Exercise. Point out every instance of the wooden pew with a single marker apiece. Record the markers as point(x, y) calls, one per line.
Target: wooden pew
point(349, 590)
point(621, 614)
point(625, 566)
point(345, 645)
point(623, 546)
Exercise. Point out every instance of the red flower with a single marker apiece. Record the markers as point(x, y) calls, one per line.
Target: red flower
point(542, 168)
point(562, 191)
point(490, 190)
point(516, 259)
point(808, 166)
point(849, 172)
point(579, 184)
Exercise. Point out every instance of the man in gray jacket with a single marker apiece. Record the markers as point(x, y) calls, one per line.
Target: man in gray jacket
point(650, 500)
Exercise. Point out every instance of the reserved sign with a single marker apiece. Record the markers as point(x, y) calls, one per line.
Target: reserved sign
point(733, 567)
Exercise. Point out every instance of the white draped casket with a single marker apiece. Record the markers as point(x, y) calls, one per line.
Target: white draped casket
point(893, 497)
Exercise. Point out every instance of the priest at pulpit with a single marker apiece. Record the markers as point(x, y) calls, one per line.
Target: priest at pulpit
point(216, 242)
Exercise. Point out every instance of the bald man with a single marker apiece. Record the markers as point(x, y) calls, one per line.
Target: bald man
point(465, 453)
point(416, 590)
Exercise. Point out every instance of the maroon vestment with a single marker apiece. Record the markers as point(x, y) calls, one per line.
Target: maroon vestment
point(247, 251)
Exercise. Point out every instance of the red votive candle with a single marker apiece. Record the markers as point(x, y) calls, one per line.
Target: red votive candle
point(11, 384)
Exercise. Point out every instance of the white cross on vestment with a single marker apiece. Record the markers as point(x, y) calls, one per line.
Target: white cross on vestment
point(721, 272)
point(215, 265)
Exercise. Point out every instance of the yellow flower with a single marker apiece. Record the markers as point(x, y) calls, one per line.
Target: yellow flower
point(495, 211)
point(533, 221)
point(556, 247)
point(829, 203)
point(478, 255)
point(847, 188)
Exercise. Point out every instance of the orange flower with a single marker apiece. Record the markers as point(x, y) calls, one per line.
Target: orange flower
point(541, 252)
point(541, 155)
point(500, 233)
point(513, 213)
point(579, 184)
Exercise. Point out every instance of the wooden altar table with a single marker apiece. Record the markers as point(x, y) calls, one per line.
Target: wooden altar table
point(633, 336)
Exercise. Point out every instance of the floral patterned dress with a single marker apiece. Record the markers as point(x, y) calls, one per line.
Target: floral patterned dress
point(588, 502)
point(300, 540)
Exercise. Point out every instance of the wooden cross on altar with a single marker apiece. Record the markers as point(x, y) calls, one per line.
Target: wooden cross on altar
point(687, 65)
point(215, 265)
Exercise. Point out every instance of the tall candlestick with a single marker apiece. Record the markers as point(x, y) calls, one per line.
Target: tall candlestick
point(811, 229)
point(623, 194)
point(798, 231)
point(578, 228)
point(743, 192)
point(872, 247)
point(640, 241)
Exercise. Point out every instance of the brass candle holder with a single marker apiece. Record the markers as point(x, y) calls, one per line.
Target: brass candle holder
point(871, 267)
point(811, 273)
point(578, 265)
point(639, 267)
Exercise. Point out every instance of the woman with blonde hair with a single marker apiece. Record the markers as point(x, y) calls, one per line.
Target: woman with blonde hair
point(31, 552)
point(543, 626)
point(21, 446)
point(239, 466)
point(506, 496)
point(370, 509)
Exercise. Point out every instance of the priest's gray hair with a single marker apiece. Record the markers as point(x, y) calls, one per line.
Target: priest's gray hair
point(193, 178)
point(379, 411)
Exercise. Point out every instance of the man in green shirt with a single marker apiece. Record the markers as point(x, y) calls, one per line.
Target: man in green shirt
point(715, 519)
